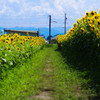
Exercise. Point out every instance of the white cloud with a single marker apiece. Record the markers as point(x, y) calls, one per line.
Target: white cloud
point(14, 1)
point(60, 6)
point(26, 8)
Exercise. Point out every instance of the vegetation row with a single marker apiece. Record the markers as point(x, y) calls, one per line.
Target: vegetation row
point(15, 49)
point(81, 44)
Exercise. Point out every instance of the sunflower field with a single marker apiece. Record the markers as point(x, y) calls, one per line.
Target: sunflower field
point(81, 44)
point(15, 49)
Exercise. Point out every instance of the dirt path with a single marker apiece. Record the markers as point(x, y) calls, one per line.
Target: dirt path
point(47, 82)
point(58, 80)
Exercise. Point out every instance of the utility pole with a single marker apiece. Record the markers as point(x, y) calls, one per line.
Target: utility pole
point(65, 24)
point(49, 29)
point(38, 31)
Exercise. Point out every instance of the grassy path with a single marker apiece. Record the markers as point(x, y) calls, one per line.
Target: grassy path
point(47, 85)
point(58, 81)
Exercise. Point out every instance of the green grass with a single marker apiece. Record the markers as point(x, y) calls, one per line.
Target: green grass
point(64, 82)
point(23, 81)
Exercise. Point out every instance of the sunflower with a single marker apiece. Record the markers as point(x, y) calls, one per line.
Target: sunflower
point(2, 39)
point(18, 49)
point(78, 21)
point(22, 43)
point(28, 37)
point(5, 35)
point(96, 17)
point(31, 44)
point(12, 39)
point(26, 40)
point(7, 41)
point(8, 48)
point(98, 34)
point(16, 34)
point(87, 13)
point(74, 24)
point(89, 19)
point(92, 13)
point(98, 22)
point(93, 27)
point(82, 30)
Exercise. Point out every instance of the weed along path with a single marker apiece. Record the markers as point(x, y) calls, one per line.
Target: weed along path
point(58, 80)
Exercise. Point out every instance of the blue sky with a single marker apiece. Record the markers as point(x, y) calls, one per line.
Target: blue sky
point(34, 13)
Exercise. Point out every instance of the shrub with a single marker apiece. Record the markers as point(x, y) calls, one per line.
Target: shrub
point(81, 44)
